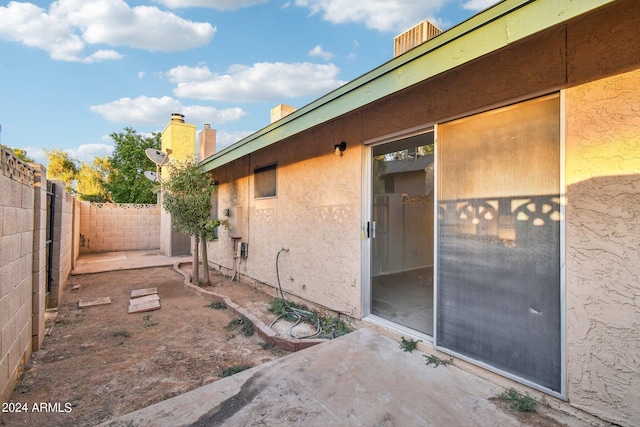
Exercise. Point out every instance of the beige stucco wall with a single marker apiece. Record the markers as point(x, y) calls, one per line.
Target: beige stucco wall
point(603, 213)
point(108, 227)
point(603, 247)
point(316, 215)
point(595, 63)
point(318, 211)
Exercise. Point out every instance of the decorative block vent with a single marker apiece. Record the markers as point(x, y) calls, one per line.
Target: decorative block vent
point(15, 168)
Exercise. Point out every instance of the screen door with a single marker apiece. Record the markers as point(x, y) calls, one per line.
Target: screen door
point(498, 239)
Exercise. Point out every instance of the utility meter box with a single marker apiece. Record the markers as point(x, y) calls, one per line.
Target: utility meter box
point(236, 222)
point(244, 249)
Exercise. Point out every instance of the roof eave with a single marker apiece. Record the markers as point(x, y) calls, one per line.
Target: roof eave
point(502, 24)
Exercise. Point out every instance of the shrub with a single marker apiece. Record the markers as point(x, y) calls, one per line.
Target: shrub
point(232, 370)
point(518, 401)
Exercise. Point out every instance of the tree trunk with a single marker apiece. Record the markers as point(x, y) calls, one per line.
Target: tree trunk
point(205, 263)
point(195, 261)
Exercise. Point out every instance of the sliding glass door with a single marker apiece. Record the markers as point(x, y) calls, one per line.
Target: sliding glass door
point(401, 233)
point(498, 239)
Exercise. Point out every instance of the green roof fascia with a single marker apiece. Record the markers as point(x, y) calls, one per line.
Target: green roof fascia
point(489, 30)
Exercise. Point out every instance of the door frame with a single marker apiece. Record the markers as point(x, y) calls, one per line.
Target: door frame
point(367, 216)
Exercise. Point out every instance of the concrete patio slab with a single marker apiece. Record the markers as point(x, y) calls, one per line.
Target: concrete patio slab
point(361, 379)
point(123, 260)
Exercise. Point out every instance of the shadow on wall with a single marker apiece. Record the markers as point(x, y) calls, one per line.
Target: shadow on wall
point(603, 267)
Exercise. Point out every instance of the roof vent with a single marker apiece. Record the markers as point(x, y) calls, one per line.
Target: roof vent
point(414, 36)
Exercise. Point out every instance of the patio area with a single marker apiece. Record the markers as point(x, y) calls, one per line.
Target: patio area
point(361, 379)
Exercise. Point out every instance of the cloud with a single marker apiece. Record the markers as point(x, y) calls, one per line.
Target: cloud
point(37, 154)
point(264, 81)
point(143, 27)
point(70, 27)
point(225, 139)
point(87, 152)
point(83, 153)
point(381, 15)
point(157, 111)
point(213, 4)
point(477, 5)
point(31, 25)
point(102, 55)
point(184, 73)
point(321, 53)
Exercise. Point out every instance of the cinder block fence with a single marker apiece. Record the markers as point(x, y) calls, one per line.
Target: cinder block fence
point(23, 196)
point(43, 229)
point(118, 227)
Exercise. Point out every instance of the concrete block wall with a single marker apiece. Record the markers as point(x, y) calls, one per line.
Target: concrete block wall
point(16, 264)
point(39, 264)
point(66, 255)
point(76, 233)
point(62, 242)
point(108, 227)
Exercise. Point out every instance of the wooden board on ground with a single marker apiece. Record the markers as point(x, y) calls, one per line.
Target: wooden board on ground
point(93, 302)
point(145, 299)
point(137, 293)
point(139, 306)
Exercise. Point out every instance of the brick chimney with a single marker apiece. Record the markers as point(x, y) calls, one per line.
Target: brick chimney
point(206, 142)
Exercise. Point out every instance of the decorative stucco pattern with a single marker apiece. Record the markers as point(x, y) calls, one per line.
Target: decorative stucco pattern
point(603, 247)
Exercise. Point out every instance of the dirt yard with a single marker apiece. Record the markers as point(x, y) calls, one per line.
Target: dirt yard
point(100, 362)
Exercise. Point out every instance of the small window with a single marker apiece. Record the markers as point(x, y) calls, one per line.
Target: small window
point(264, 180)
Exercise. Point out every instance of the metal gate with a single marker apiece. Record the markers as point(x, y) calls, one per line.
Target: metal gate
point(51, 209)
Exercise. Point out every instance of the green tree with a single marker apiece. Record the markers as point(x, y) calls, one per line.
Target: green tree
point(61, 167)
point(92, 180)
point(127, 183)
point(187, 197)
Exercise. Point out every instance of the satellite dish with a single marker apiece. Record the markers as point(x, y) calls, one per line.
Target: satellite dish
point(151, 175)
point(156, 156)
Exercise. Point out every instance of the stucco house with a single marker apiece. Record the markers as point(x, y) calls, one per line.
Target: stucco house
point(486, 199)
